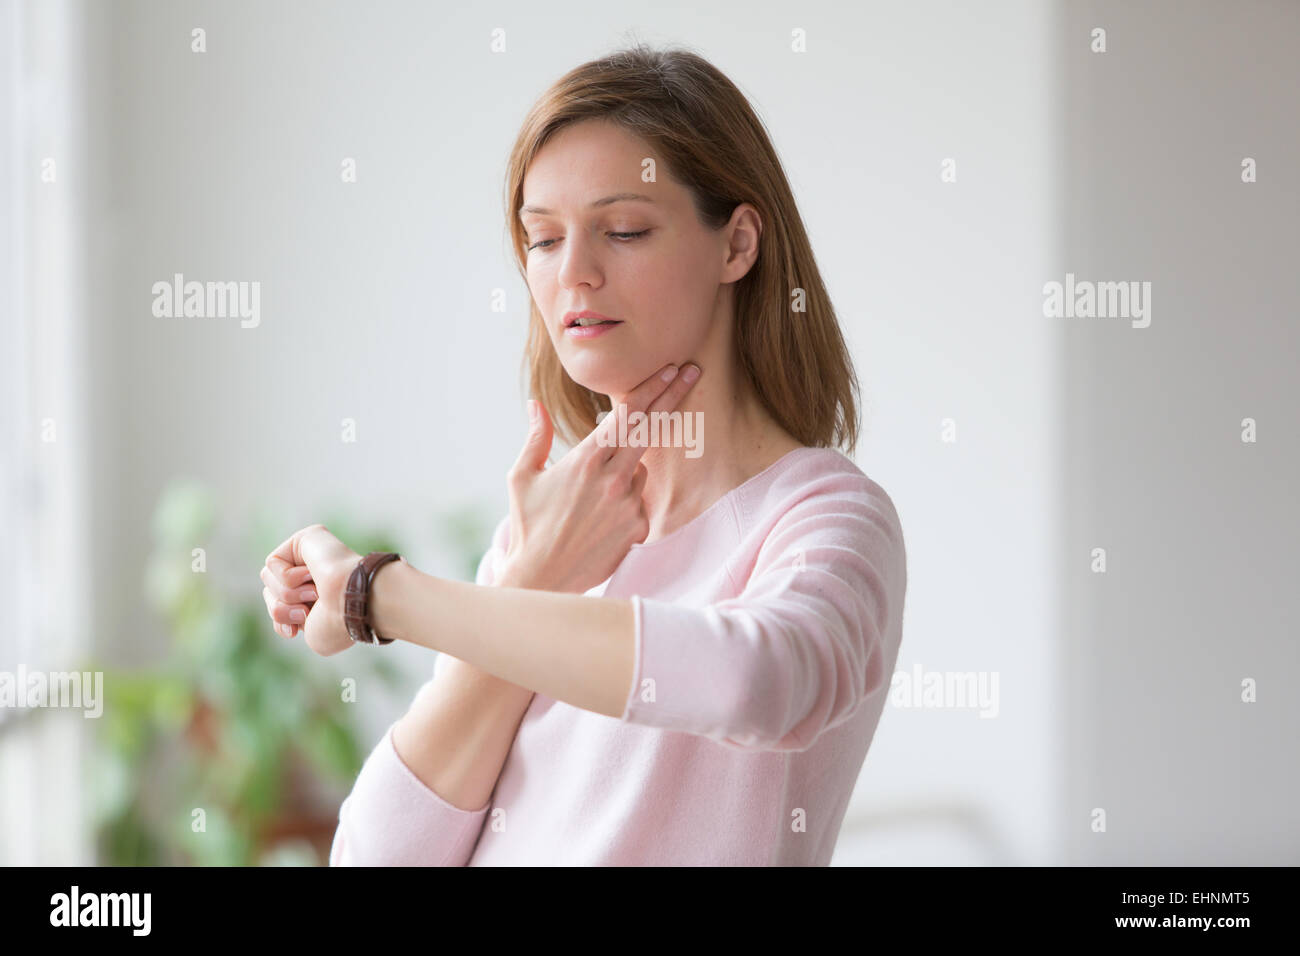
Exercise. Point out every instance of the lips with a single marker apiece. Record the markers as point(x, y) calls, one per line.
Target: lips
point(589, 317)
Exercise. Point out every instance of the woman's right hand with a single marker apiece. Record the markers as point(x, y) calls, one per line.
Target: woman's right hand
point(573, 523)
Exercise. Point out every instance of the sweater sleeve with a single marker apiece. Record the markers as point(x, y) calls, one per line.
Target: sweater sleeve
point(391, 817)
point(813, 633)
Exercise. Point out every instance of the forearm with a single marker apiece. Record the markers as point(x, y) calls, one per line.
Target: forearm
point(568, 647)
point(459, 730)
point(457, 733)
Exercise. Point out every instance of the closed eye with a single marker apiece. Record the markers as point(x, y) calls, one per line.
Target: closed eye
point(620, 236)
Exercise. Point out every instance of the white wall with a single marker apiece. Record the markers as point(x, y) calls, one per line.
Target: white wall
point(1199, 528)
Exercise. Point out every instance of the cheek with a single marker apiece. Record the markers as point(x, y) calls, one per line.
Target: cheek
point(541, 286)
point(689, 290)
point(536, 274)
point(677, 280)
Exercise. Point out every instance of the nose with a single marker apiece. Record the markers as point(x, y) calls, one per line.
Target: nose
point(579, 262)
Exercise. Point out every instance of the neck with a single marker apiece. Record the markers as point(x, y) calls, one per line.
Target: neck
point(734, 439)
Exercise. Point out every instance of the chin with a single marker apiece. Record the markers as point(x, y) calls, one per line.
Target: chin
point(602, 377)
point(599, 384)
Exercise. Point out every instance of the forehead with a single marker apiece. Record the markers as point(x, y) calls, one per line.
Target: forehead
point(592, 162)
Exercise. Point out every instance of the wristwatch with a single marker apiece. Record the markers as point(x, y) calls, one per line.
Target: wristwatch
point(356, 598)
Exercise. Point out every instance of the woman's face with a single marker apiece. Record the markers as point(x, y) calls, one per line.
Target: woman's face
point(662, 285)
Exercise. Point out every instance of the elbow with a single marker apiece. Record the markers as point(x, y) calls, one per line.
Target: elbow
point(340, 849)
point(337, 849)
point(802, 685)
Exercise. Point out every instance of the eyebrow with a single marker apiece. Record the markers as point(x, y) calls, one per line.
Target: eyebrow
point(617, 197)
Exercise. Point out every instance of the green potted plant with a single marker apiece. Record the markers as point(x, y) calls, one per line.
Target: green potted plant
point(237, 748)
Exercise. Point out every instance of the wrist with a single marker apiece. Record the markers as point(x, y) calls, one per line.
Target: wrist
point(385, 599)
point(513, 575)
point(408, 605)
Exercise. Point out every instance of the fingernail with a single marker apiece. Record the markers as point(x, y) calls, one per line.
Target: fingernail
point(691, 374)
point(532, 410)
point(307, 596)
point(297, 615)
point(670, 373)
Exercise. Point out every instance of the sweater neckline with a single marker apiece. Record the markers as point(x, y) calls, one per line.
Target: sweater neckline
point(728, 496)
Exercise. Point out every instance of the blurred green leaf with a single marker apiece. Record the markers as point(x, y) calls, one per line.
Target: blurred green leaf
point(184, 515)
point(218, 722)
point(291, 853)
point(332, 748)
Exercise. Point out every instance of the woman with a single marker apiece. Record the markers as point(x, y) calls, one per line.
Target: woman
point(671, 655)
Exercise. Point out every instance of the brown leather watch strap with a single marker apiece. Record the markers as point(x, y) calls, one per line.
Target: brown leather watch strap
point(356, 598)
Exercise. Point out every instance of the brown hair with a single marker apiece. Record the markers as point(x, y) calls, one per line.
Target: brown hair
point(713, 143)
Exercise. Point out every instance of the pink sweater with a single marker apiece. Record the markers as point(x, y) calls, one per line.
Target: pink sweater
point(767, 629)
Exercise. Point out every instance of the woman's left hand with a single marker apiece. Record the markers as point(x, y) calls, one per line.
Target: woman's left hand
point(329, 563)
